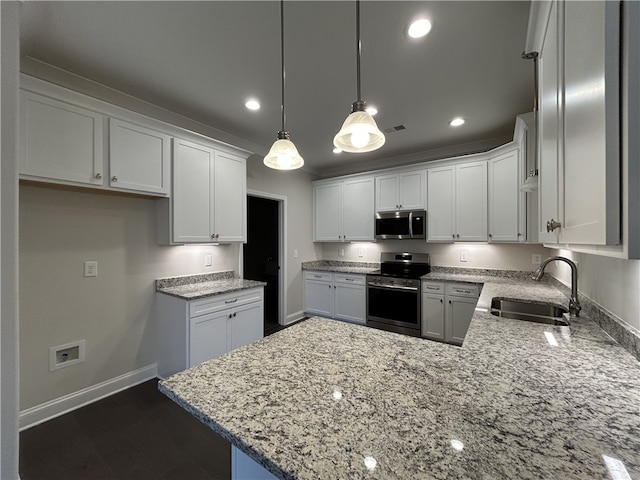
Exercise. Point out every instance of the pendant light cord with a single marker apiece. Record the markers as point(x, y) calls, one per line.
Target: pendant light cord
point(358, 51)
point(282, 57)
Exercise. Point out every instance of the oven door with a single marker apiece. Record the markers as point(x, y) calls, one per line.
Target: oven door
point(394, 308)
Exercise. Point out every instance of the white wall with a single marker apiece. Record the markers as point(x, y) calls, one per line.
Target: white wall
point(9, 55)
point(612, 283)
point(296, 186)
point(59, 230)
point(479, 255)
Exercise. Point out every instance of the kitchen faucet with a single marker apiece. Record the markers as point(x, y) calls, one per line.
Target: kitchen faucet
point(574, 304)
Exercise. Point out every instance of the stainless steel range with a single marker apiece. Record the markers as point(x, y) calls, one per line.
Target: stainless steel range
point(393, 293)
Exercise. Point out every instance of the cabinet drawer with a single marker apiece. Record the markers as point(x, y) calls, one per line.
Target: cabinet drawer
point(222, 302)
point(349, 279)
point(463, 290)
point(321, 276)
point(432, 287)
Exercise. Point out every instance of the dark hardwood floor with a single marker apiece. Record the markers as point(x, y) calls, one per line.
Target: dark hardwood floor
point(136, 434)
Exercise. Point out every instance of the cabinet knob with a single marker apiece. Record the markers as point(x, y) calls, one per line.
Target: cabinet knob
point(230, 315)
point(490, 235)
point(457, 235)
point(98, 176)
point(217, 235)
point(552, 225)
point(453, 235)
point(441, 301)
point(234, 314)
point(114, 179)
point(213, 235)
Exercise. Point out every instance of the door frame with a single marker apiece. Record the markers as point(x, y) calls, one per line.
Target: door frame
point(282, 250)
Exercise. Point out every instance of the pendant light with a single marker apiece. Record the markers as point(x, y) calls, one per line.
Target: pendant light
point(531, 183)
point(283, 154)
point(359, 132)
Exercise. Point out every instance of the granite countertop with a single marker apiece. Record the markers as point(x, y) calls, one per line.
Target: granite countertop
point(314, 400)
point(193, 287)
point(337, 266)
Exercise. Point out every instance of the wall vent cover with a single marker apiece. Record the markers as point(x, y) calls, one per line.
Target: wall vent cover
point(397, 128)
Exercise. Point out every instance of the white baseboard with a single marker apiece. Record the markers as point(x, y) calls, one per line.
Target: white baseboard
point(54, 408)
point(294, 317)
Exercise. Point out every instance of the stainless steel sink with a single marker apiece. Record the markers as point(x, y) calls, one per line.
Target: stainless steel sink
point(539, 312)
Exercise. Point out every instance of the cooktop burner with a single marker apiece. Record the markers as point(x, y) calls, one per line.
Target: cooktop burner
point(403, 265)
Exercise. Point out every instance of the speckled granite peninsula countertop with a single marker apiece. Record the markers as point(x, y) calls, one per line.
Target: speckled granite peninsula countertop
point(193, 287)
point(506, 405)
point(338, 266)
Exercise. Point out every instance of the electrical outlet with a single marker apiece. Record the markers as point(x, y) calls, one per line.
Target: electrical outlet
point(361, 252)
point(295, 254)
point(90, 269)
point(208, 260)
point(536, 259)
point(341, 252)
point(464, 256)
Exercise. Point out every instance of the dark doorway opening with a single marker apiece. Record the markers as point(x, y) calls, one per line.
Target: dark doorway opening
point(261, 254)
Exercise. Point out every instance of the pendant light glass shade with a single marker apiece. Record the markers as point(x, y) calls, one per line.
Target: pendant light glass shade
point(283, 154)
point(359, 132)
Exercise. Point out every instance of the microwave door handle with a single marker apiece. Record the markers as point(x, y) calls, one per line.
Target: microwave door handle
point(410, 224)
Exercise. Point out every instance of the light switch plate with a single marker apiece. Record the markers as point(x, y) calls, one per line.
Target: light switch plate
point(208, 260)
point(464, 256)
point(536, 259)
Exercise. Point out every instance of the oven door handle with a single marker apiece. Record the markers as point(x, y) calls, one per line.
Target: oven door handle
point(392, 287)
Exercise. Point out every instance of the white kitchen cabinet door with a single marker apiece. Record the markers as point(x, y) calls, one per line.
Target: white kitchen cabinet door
point(139, 158)
point(207, 337)
point(191, 200)
point(350, 303)
point(549, 127)
point(433, 316)
point(506, 201)
point(591, 161)
point(229, 198)
point(403, 191)
point(327, 212)
point(460, 311)
point(471, 202)
point(318, 294)
point(246, 325)
point(411, 193)
point(441, 204)
point(358, 210)
point(60, 141)
point(387, 194)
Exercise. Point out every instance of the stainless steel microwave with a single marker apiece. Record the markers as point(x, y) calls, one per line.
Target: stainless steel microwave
point(401, 225)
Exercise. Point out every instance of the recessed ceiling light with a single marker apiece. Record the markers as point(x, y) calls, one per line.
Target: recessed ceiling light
point(371, 110)
point(337, 150)
point(419, 28)
point(456, 122)
point(252, 104)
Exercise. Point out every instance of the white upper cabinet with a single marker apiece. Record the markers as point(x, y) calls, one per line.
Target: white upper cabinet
point(209, 196)
point(579, 123)
point(139, 158)
point(230, 198)
point(457, 200)
point(506, 201)
point(400, 191)
point(441, 189)
point(60, 141)
point(344, 211)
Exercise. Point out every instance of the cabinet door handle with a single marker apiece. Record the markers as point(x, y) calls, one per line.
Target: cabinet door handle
point(231, 301)
point(432, 288)
point(552, 225)
point(114, 179)
point(349, 279)
point(317, 276)
point(99, 176)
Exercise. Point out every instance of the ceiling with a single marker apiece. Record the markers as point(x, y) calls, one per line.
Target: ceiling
point(204, 59)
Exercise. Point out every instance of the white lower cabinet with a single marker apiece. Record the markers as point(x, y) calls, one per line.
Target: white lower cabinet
point(339, 296)
point(191, 332)
point(447, 310)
